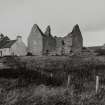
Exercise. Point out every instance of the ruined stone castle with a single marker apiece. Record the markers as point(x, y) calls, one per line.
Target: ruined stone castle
point(40, 43)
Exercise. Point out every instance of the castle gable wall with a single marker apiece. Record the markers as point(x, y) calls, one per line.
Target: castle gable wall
point(77, 41)
point(35, 41)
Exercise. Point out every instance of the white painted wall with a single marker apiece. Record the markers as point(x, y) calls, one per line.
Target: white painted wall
point(18, 48)
point(5, 52)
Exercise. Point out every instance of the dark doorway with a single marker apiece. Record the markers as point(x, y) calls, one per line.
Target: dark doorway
point(0, 53)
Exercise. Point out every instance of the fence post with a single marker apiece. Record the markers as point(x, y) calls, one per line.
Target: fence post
point(97, 83)
point(68, 81)
point(51, 75)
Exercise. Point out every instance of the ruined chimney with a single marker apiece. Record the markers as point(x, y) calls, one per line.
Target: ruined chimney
point(19, 38)
point(48, 31)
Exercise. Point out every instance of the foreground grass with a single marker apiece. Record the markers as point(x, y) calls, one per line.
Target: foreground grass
point(12, 93)
point(45, 95)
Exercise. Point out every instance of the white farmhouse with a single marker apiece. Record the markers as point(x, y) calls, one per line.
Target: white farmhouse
point(12, 47)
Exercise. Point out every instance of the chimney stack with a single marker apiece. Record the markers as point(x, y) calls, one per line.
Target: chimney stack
point(19, 38)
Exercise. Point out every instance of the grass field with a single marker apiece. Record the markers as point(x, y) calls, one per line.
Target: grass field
point(32, 84)
point(13, 94)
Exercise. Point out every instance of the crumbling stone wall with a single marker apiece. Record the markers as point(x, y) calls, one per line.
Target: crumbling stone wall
point(71, 43)
point(67, 44)
point(59, 46)
point(49, 42)
point(49, 45)
point(39, 43)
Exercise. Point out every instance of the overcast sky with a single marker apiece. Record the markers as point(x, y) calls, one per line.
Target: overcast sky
point(18, 16)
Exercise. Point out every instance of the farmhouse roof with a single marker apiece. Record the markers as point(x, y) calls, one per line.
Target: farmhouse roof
point(3, 41)
point(8, 44)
